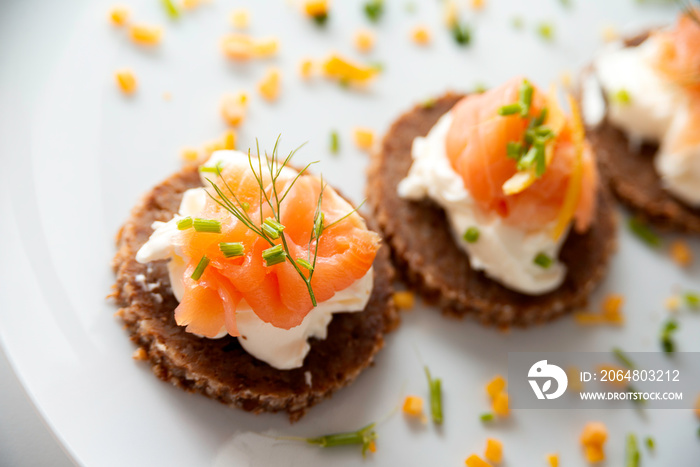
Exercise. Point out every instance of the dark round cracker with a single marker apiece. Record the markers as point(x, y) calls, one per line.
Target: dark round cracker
point(220, 368)
point(633, 178)
point(430, 260)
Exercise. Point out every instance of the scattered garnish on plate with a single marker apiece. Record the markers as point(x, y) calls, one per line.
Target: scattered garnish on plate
point(413, 406)
point(494, 450)
point(317, 10)
point(240, 18)
point(119, 15)
point(668, 345)
point(306, 68)
point(476, 461)
point(374, 10)
point(632, 454)
point(421, 35)
point(639, 228)
point(692, 300)
point(145, 35)
point(404, 299)
point(553, 460)
point(269, 85)
point(126, 81)
point(233, 108)
point(486, 417)
point(593, 438)
point(477, 4)
point(450, 13)
point(364, 40)
point(335, 142)
point(364, 437)
point(609, 33)
point(346, 71)
point(546, 31)
point(462, 33)
point(242, 47)
point(681, 253)
point(364, 138)
point(435, 389)
point(171, 9)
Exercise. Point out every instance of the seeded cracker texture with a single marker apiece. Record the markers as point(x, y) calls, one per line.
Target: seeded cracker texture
point(430, 261)
point(633, 178)
point(220, 368)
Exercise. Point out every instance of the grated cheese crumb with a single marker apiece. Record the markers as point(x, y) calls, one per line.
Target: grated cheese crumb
point(140, 354)
point(119, 15)
point(233, 108)
point(413, 406)
point(477, 4)
point(404, 299)
point(146, 35)
point(553, 460)
point(609, 33)
point(306, 68)
point(500, 404)
point(681, 253)
point(476, 461)
point(189, 155)
point(421, 35)
point(495, 386)
point(494, 450)
point(364, 40)
point(364, 138)
point(240, 18)
point(126, 81)
point(269, 86)
point(672, 303)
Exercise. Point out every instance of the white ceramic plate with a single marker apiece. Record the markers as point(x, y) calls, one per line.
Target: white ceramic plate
point(76, 155)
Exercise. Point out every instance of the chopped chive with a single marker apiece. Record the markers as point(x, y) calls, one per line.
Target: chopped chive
point(540, 118)
point(514, 150)
point(486, 417)
point(365, 436)
point(305, 264)
point(272, 228)
point(274, 255)
point(184, 223)
point(631, 451)
point(667, 343)
point(517, 22)
point(644, 232)
point(623, 358)
point(649, 441)
point(428, 103)
point(480, 88)
point(462, 34)
point(318, 225)
point(528, 160)
point(199, 270)
point(692, 300)
point(525, 97)
point(542, 260)
point(540, 160)
point(216, 169)
point(621, 97)
point(510, 109)
point(335, 142)
point(206, 225)
point(171, 9)
point(546, 31)
point(232, 249)
point(374, 9)
point(471, 235)
point(435, 386)
point(320, 19)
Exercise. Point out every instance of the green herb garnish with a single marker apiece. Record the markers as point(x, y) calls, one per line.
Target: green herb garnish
point(649, 441)
point(623, 358)
point(184, 223)
point(514, 150)
point(486, 417)
point(566, 3)
point(201, 266)
point(543, 260)
point(632, 454)
point(272, 228)
point(480, 88)
point(471, 235)
point(428, 103)
point(525, 97)
point(304, 264)
point(621, 97)
point(320, 19)
point(644, 232)
point(232, 249)
point(510, 109)
point(374, 9)
point(692, 300)
point(435, 387)
point(171, 9)
point(462, 34)
point(215, 169)
point(517, 22)
point(364, 437)
point(274, 255)
point(546, 31)
point(206, 225)
point(335, 142)
point(667, 343)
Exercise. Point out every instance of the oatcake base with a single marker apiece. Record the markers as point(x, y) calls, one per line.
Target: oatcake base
point(430, 260)
point(220, 368)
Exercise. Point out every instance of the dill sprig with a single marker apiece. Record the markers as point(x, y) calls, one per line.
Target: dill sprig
point(271, 228)
point(688, 9)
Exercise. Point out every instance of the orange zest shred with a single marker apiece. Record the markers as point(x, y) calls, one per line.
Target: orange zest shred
point(346, 71)
point(126, 81)
point(681, 253)
point(364, 138)
point(413, 406)
point(242, 47)
point(476, 461)
point(119, 15)
point(421, 35)
point(573, 190)
point(494, 450)
point(495, 386)
point(404, 299)
point(146, 35)
point(269, 86)
point(611, 312)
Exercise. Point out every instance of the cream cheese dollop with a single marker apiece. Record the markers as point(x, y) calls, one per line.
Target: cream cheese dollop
point(505, 253)
point(283, 349)
point(655, 111)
